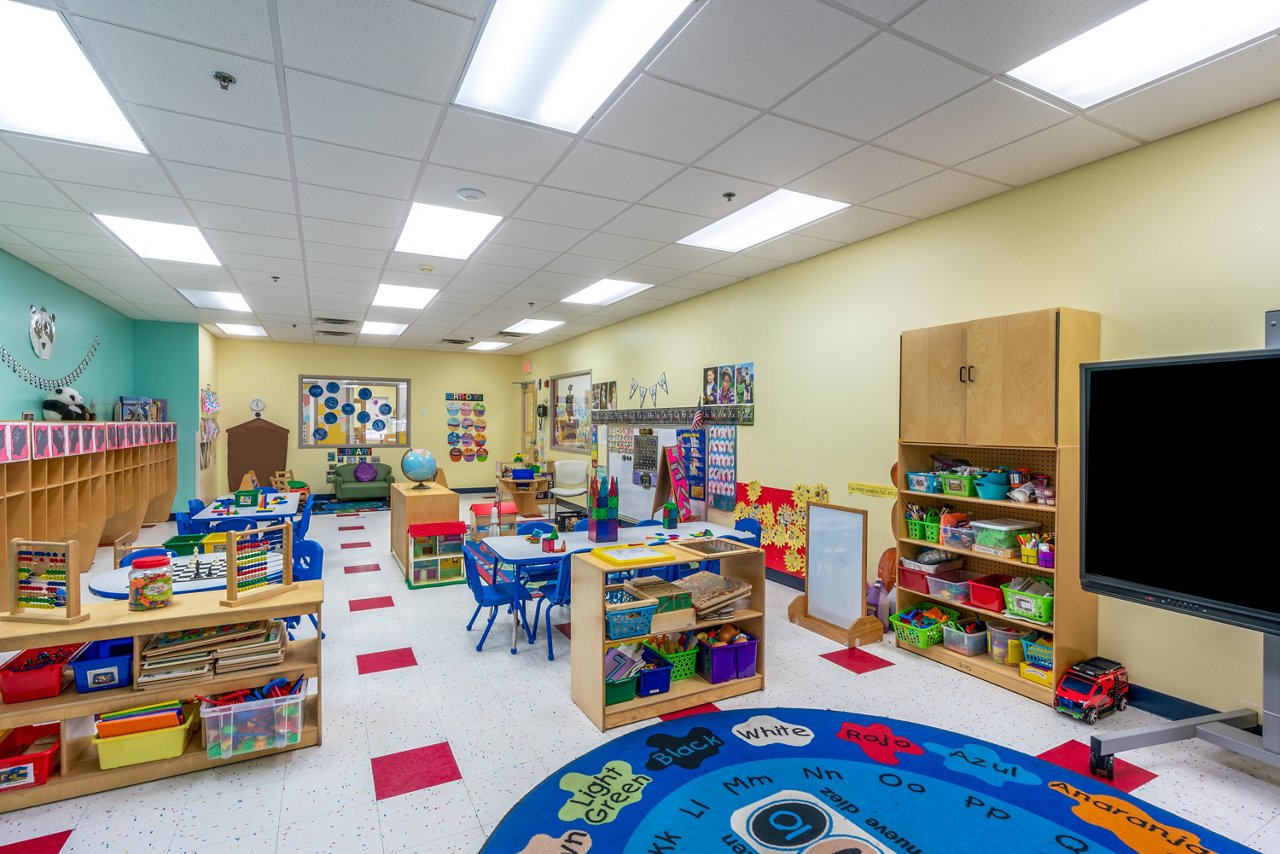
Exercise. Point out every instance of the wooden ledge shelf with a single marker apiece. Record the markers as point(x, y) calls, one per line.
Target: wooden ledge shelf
point(1012, 505)
point(995, 615)
point(738, 615)
point(982, 665)
point(1027, 568)
point(677, 698)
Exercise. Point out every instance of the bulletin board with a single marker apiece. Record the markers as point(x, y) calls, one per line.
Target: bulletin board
point(635, 491)
point(835, 579)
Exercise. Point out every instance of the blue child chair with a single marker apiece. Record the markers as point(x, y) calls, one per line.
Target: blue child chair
point(750, 527)
point(303, 525)
point(184, 523)
point(128, 559)
point(649, 523)
point(539, 527)
point(223, 525)
point(308, 565)
point(194, 506)
point(582, 524)
point(555, 593)
point(498, 594)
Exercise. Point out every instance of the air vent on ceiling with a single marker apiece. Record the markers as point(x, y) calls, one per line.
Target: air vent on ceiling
point(334, 333)
point(453, 341)
point(335, 321)
point(511, 334)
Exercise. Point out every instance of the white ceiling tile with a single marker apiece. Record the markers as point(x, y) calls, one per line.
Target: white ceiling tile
point(354, 169)
point(255, 263)
point(665, 120)
point(496, 146)
point(1048, 152)
point(557, 285)
point(394, 45)
point(562, 207)
point(1235, 82)
point(252, 220)
point(206, 272)
point(1000, 35)
point(855, 223)
point(318, 270)
point(28, 190)
point(683, 258)
point(346, 206)
point(111, 278)
point(328, 253)
point(26, 251)
point(616, 247)
point(537, 235)
point(173, 75)
point(758, 51)
point(102, 242)
point(494, 273)
point(89, 261)
point(84, 164)
point(704, 281)
point(52, 219)
point(648, 274)
point(9, 159)
point(863, 174)
point(371, 119)
point(610, 172)
point(347, 234)
point(240, 26)
point(881, 10)
point(655, 224)
point(883, 84)
point(776, 151)
point(792, 248)
point(126, 203)
point(409, 266)
point(232, 188)
point(513, 256)
point(700, 192)
point(253, 244)
point(461, 296)
point(440, 186)
point(580, 265)
point(977, 122)
point(204, 142)
point(743, 266)
point(935, 194)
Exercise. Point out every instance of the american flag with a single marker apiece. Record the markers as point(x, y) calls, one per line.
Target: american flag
point(697, 417)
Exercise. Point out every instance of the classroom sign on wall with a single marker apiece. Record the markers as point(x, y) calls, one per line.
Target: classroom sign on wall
point(466, 423)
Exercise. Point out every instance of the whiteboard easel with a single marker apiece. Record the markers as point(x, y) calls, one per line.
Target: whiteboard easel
point(836, 578)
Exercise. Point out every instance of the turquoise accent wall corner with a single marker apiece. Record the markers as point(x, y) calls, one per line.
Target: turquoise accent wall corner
point(166, 364)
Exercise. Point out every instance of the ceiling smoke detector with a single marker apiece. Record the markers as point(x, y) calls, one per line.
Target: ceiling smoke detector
point(470, 194)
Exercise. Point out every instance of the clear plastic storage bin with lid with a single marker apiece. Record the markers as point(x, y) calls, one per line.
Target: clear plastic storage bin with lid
point(1001, 533)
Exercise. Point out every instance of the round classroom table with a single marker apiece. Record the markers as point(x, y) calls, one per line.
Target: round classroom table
point(212, 575)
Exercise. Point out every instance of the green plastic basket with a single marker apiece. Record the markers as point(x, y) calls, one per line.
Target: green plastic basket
point(916, 636)
point(619, 692)
point(682, 663)
point(1028, 605)
point(915, 529)
point(932, 531)
point(184, 544)
point(959, 484)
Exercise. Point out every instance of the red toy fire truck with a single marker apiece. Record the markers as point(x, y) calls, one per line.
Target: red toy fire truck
point(1093, 688)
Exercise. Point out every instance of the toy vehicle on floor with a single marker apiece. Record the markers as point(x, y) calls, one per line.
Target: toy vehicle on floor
point(1092, 688)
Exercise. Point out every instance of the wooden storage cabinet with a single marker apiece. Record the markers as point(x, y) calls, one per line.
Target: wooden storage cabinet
point(78, 773)
point(590, 641)
point(997, 381)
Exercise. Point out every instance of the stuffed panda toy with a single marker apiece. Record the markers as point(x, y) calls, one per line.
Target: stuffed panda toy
point(64, 404)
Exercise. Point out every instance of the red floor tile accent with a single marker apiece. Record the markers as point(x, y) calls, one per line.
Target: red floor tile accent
point(151, 525)
point(364, 545)
point(361, 567)
point(371, 603)
point(1074, 756)
point(565, 628)
point(858, 660)
point(351, 527)
point(346, 514)
point(50, 844)
point(692, 710)
point(411, 770)
point(391, 659)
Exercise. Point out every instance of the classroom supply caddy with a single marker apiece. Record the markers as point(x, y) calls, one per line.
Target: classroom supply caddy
point(628, 613)
point(253, 726)
point(591, 639)
point(75, 770)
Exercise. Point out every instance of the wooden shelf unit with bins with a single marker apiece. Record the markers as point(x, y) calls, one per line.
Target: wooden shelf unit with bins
point(78, 772)
point(590, 640)
point(1019, 406)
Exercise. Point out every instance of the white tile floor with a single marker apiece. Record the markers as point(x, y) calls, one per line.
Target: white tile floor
point(509, 722)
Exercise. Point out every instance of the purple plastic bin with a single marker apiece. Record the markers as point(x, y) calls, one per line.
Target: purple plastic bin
point(732, 661)
point(655, 681)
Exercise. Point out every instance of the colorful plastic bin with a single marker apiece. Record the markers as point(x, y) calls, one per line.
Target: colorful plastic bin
point(620, 691)
point(628, 612)
point(924, 481)
point(138, 747)
point(957, 538)
point(1039, 675)
point(1005, 643)
point(916, 636)
point(656, 680)
point(683, 664)
point(184, 544)
point(250, 727)
point(952, 585)
point(1028, 605)
point(958, 640)
point(985, 592)
point(214, 543)
point(18, 685)
point(22, 770)
point(104, 664)
point(719, 664)
point(959, 484)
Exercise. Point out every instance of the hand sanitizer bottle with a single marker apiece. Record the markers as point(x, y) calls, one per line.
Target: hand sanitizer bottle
point(493, 519)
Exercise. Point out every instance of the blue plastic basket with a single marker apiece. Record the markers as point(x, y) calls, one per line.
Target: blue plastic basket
point(1035, 653)
point(104, 664)
point(627, 613)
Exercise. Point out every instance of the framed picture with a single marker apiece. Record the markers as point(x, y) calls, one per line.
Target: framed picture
point(335, 412)
point(570, 403)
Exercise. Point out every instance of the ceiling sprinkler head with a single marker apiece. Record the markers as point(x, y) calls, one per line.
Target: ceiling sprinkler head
point(729, 197)
point(224, 79)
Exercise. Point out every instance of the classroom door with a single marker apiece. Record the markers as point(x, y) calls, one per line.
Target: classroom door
point(933, 392)
point(528, 417)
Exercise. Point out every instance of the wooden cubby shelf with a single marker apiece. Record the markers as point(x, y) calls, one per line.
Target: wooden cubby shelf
point(943, 498)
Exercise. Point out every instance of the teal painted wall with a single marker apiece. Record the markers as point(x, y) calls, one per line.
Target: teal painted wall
point(79, 317)
point(166, 364)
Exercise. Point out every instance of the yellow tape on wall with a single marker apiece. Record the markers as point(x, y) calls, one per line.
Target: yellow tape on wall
point(875, 490)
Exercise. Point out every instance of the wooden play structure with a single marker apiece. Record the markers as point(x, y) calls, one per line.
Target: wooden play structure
point(43, 583)
point(248, 563)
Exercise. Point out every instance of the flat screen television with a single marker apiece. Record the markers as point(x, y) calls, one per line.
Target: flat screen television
point(1180, 485)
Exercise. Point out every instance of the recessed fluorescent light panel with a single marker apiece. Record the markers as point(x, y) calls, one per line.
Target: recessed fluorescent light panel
point(444, 232)
point(532, 326)
point(243, 329)
point(488, 345)
point(50, 89)
point(400, 296)
point(215, 299)
point(777, 213)
point(1143, 44)
point(373, 327)
point(606, 292)
point(162, 241)
point(554, 62)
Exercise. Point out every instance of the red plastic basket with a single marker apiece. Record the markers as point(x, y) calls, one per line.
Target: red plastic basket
point(985, 592)
point(17, 685)
point(20, 770)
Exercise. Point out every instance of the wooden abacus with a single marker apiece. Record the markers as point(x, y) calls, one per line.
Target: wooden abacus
point(44, 584)
point(249, 564)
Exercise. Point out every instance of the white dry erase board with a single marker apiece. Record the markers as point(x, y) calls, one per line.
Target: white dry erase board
point(836, 577)
point(635, 501)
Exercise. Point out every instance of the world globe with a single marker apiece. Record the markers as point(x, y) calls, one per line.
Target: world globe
point(418, 465)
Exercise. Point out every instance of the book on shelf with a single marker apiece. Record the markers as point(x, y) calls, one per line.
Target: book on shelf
point(168, 643)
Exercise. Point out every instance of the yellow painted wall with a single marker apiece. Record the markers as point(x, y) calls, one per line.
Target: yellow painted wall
point(206, 479)
point(248, 369)
point(1172, 243)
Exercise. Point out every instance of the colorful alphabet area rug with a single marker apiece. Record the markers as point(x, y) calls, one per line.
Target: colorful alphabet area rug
point(826, 782)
